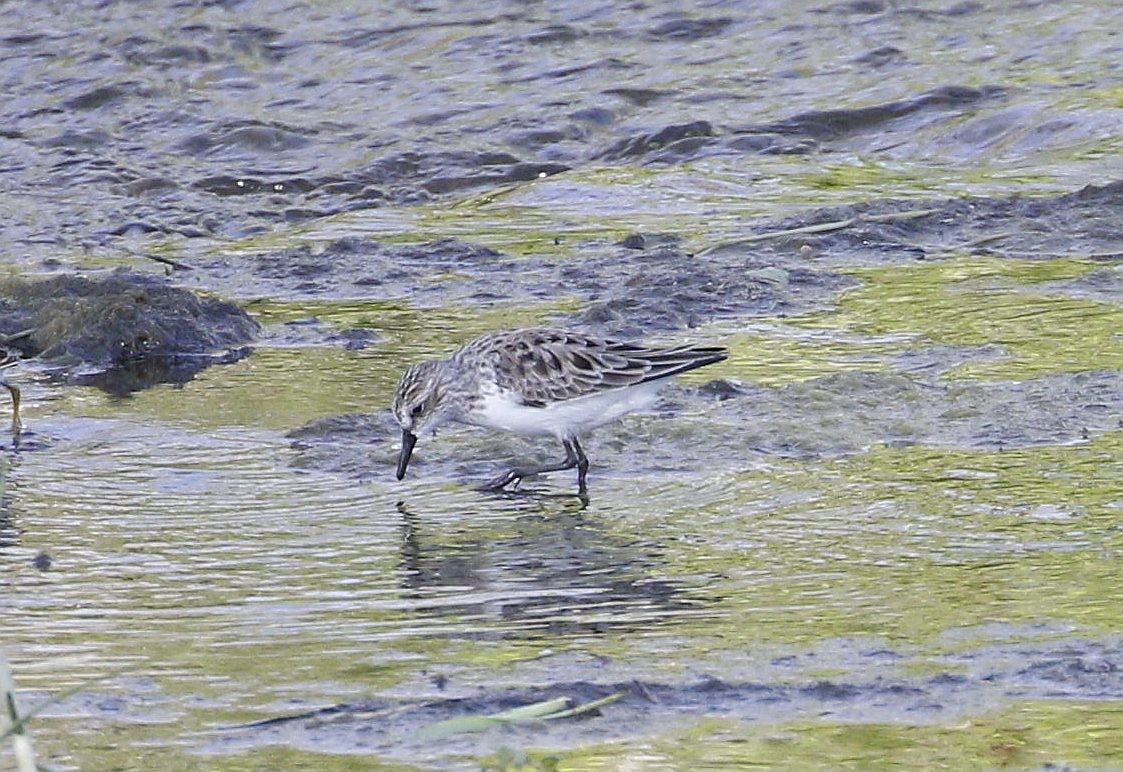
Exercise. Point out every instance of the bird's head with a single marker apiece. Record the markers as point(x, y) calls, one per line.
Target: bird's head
point(420, 406)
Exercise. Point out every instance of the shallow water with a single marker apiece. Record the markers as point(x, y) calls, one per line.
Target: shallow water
point(886, 545)
point(886, 531)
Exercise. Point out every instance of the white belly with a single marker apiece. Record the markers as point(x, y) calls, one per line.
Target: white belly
point(559, 419)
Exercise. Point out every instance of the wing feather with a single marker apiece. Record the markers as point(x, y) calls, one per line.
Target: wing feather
point(547, 365)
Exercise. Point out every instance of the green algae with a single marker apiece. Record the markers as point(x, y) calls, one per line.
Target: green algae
point(783, 355)
point(869, 174)
point(978, 301)
point(541, 217)
point(1083, 735)
point(547, 216)
point(1023, 535)
point(1028, 734)
point(285, 757)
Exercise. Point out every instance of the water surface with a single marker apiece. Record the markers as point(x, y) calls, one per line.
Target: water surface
point(885, 532)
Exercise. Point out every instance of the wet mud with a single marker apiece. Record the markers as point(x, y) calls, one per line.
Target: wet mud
point(836, 415)
point(1081, 224)
point(644, 284)
point(647, 284)
point(875, 692)
point(626, 291)
point(850, 412)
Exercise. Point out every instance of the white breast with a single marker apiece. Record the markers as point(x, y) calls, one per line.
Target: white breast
point(500, 410)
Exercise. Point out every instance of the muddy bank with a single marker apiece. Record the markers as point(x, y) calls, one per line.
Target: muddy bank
point(649, 282)
point(121, 331)
point(872, 690)
point(1082, 224)
point(642, 285)
point(627, 290)
point(850, 412)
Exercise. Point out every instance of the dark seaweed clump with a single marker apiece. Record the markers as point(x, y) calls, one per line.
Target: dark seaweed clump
point(123, 331)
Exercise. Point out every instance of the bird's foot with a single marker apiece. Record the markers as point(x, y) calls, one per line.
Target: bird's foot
point(502, 481)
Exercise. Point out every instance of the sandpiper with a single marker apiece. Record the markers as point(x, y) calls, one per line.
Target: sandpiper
point(538, 381)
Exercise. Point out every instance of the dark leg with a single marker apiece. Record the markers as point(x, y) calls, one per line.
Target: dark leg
point(17, 424)
point(582, 465)
point(574, 458)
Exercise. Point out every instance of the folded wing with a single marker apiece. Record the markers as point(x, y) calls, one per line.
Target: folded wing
point(546, 365)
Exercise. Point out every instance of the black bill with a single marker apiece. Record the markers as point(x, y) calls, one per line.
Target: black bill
point(408, 441)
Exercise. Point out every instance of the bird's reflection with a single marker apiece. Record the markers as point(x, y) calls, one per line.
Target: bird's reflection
point(533, 560)
point(9, 532)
